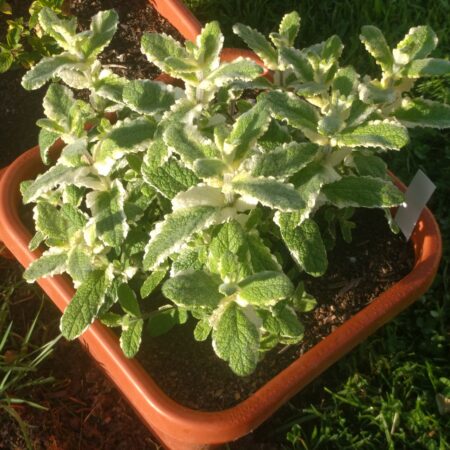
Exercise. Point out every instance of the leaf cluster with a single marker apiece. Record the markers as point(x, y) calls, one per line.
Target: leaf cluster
point(204, 196)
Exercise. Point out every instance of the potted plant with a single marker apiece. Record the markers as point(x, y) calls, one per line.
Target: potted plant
point(213, 198)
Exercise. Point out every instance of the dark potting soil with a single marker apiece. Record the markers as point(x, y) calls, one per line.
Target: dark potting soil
point(20, 109)
point(190, 372)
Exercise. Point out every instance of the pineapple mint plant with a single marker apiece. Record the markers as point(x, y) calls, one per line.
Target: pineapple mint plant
point(213, 199)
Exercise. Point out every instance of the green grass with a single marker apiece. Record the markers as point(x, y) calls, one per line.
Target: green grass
point(382, 395)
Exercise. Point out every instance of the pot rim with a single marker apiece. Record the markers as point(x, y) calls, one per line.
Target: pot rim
point(160, 412)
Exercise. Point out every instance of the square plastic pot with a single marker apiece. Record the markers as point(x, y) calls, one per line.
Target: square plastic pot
point(179, 427)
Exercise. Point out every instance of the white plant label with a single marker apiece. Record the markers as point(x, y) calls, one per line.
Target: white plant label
point(417, 195)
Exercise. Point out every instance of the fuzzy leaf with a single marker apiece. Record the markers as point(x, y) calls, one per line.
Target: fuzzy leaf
point(304, 241)
point(102, 29)
point(240, 69)
point(79, 264)
point(46, 140)
point(260, 255)
point(423, 113)
point(269, 192)
point(283, 161)
point(202, 330)
point(246, 130)
point(236, 340)
point(56, 175)
point(299, 63)
point(376, 45)
point(131, 337)
point(171, 234)
point(418, 43)
point(148, 97)
point(209, 167)
point(164, 319)
point(128, 300)
point(152, 281)
point(265, 288)
point(200, 195)
point(370, 165)
point(428, 67)
point(282, 321)
point(259, 44)
point(45, 266)
point(345, 80)
point(295, 111)
point(108, 212)
point(45, 69)
point(57, 103)
point(363, 192)
point(387, 135)
point(209, 43)
point(157, 47)
point(62, 30)
point(193, 289)
point(84, 306)
point(289, 27)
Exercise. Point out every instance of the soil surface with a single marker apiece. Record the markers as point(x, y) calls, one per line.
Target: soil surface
point(20, 109)
point(357, 274)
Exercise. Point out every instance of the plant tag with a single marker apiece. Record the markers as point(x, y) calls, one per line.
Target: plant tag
point(416, 197)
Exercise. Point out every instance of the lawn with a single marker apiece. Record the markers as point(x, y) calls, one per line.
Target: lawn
point(382, 395)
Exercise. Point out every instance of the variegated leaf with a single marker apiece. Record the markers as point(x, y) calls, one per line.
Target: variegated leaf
point(428, 67)
point(174, 232)
point(304, 241)
point(131, 337)
point(259, 44)
point(269, 192)
point(363, 192)
point(46, 266)
point(418, 43)
point(102, 29)
point(296, 59)
point(376, 45)
point(423, 113)
point(383, 134)
point(209, 43)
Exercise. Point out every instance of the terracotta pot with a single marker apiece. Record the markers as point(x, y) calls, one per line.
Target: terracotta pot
point(4, 252)
point(179, 427)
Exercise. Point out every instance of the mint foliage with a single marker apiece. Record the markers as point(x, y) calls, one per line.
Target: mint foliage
point(205, 197)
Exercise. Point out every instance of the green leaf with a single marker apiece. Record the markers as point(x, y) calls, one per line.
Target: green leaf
point(209, 43)
point(157, 47)
point(46, 266)
point(194, 289)
point(187, 142)
point(108, 213)
point(428, 67)
point(332, 48)
point(265, 288)
point(260, 255)
point(248, 127)
point(164, 319)
point(102, 29)
point(176, 230)
point(131, 337)
point(304, 242)
point(128, 300)
point(289, 27)
point(46, 140)
point(111, 87)
point(259, 44)
point(148, 97)
point(418, 43)
point(36, 241)
point(370, 165)
point(302, 301)
point(242, 69)
point(188, 258)
point(79, 264)
point(132, 135)
point(152, 281)
point(209, 167)
point(84, 306)
point(299, 63)
point(384, 134)
point(62, 30)
point(56, 175)
point(6, 61)
point(202, 330)
point(376, 45)
point(295, 111)
point(423, 113)
point(236, 340)
point(45, 69)
point(283, 161)
point(282, 321)
point(57, 103)
point(170, 178)
point(269, 192)
point(346, 80)
point(363, 192)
